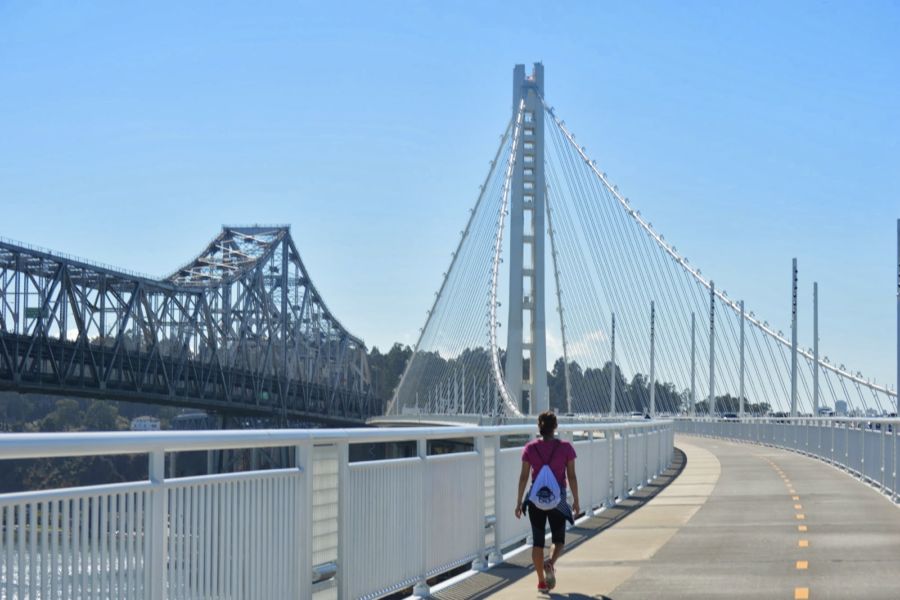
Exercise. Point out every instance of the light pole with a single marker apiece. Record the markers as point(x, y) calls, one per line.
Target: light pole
point(794, 339)
point(652, 371)
point(612, 374)
point(741, 411)
point(815, 348)
point(693, 363)
point(712, 349)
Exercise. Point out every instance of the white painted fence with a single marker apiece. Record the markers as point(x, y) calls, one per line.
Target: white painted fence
point(369, 527)
point(866, 448)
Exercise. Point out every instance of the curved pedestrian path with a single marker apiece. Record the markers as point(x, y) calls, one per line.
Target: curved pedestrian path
point(740, 521)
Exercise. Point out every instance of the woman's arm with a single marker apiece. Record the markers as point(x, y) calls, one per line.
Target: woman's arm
point(523, 479)
point(573, 483)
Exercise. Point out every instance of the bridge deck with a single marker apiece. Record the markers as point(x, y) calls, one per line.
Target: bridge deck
point(741, 521)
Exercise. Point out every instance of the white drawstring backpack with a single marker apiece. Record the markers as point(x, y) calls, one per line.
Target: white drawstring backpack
point(545, 491)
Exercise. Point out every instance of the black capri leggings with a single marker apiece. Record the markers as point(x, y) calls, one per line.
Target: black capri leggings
point(539, 520)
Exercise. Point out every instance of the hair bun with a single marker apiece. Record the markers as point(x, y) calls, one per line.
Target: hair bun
point(547, 423)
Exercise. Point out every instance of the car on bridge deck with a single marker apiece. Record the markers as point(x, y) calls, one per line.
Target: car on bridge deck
point(781, 417)
point(730, 417)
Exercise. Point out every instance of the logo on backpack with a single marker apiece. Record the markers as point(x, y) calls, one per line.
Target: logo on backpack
point(545, 491)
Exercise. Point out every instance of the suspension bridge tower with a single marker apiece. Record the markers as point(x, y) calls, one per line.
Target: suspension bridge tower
point(526, 349)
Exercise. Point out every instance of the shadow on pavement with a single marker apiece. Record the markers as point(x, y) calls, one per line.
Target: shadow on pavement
point(485, 584)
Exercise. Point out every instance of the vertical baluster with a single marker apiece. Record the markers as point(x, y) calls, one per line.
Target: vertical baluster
point(192, 531)
point(95, 547)
point(267, 533)
point(261, 487)
point(234, 541)
point(170, 566)
point(276, 531)
point(255, 530)
point(83, 551)
point(206, 492)
point(67, 530)
point(20, 551)
point(242, 548)
point(263, 541)
point(45, 572)
point(121, 539)
point(183, 524)
point(139, 549)
point(31, 518)
point(233, 520)
point(128, 546)
point(53, 583)
point(8, 528)
point(105, 547)
point(287, 547)
point(217, 549)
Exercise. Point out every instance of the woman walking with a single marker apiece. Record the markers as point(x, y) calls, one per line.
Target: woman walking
point(546, 502)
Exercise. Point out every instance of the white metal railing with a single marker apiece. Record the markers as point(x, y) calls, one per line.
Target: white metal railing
point(368, 527)
point(866, 448)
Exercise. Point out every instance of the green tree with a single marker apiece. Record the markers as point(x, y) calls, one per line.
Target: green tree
point(101, 416)
point(386, 369)
point(556, 382)
point(66, 416)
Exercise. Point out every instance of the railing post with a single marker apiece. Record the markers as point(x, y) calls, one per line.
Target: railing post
point(480, 564)
point(595, 499)
point(304, 455)
point(646, 437)
point(862, 454)
point(343, 572)
point(421, 588)
point(496, 556)
point(831, 426)
point(611, 442)
point(158, 525)
point(847, 446)
point(894, 463)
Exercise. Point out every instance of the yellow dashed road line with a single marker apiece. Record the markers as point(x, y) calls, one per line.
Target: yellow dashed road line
point(800, 593)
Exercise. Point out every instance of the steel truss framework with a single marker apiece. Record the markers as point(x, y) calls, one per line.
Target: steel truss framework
point(240, 329)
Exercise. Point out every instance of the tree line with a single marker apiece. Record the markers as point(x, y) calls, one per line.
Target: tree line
point(590, 387)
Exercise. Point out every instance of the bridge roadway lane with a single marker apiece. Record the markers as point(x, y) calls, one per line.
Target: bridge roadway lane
point(741, 521)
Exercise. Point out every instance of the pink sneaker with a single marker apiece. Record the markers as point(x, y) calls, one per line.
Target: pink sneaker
point(549, 574)
point(543, 589)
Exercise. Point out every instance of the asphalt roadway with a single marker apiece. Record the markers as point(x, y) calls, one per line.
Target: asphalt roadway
point(739, 521)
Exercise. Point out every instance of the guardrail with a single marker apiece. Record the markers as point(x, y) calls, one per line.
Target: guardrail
point(865, 448)
point(370, 527)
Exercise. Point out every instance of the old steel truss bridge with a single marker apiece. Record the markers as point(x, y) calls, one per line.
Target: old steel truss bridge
point(239, 330)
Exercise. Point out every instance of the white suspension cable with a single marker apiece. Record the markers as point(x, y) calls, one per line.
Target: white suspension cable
point(511, 405)
point(465, 233)
point(559, 303)
point(694, 272)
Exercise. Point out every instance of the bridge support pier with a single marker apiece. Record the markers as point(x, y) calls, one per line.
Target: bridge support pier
point(526, 327)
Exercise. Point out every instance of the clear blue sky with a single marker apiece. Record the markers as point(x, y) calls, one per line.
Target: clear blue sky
point(748, 133)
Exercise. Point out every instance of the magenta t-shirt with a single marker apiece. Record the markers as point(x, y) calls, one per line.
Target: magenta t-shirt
point(538, 452)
